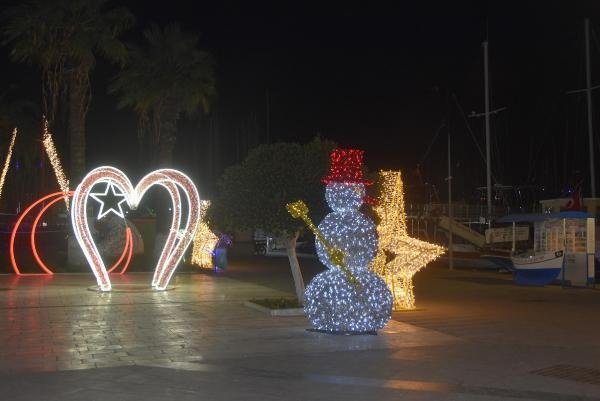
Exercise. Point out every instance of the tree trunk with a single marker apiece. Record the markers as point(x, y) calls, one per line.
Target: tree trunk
point(76, 129)
point(290, 247)
point(167, 140)
point(165, 152)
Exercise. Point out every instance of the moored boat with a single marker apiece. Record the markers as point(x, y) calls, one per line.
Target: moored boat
point(537, 269)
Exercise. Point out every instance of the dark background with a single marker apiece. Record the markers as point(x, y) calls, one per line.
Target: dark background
point(375, 76)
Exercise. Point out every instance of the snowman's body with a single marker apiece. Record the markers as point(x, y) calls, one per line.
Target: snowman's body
point(333, 303)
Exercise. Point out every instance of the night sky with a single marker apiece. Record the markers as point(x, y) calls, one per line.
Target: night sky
point(376, 77)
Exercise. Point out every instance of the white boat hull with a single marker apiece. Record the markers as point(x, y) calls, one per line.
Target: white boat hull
point(540, 269)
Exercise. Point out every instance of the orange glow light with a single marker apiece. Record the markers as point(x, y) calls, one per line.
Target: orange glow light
point(127, 250)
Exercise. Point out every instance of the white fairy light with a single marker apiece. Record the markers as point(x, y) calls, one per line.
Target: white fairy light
point(299, 210)
point(48, 143)
point(8, 157)
point(346, 228)
point(332, 302)
point(347, 297)
point(178, 238)
point(104, 211)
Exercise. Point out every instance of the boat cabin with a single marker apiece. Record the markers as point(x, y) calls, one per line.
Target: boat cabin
point(570, 232)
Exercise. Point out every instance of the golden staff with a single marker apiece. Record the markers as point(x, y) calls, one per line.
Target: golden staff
point(299, 210)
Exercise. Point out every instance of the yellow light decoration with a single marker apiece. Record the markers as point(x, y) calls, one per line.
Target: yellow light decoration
point(63, 182)
point(408, 255)
point(8, 157)
point(204, 241)
point(299, 210)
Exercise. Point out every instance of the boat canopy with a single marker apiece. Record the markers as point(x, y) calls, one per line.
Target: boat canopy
point(529, 217)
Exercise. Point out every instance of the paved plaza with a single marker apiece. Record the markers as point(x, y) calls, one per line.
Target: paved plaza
point(476, 336)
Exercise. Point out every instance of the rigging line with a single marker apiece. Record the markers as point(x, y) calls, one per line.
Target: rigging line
point(462, 113)
point(540, 148)
point(498, 160)
point(531, 169)
point(597, 141)
point(442, 125)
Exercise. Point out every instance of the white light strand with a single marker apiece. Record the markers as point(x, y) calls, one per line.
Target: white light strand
point(346, 228)
point(179, 237)
point(103, 211)
point(333, 303)
point(7, 161)
point(62, 180)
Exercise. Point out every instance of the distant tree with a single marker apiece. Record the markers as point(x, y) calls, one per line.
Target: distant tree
point(165, 78)
point(63, 37)
point(253, 194)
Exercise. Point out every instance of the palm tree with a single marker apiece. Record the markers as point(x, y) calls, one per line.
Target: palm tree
point(165, 78)
point(16, 111)
point(63, 37)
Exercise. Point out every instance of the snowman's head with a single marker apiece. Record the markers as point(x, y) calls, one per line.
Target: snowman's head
point(343, 197)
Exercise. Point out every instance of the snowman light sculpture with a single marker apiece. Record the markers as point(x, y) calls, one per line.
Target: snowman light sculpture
point(353, 299)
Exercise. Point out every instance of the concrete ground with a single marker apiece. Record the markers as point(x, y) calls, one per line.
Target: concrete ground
point(476, 336)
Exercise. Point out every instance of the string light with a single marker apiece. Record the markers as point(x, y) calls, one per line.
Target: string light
point(103, 210)
point(8, 157)
point(13, 234)
point(62, 180)
point(178, 238)
point(346, 166)
point(334, 305)
point(332, 302)
point(204, 241)
point(299, 210)
point(408, 255)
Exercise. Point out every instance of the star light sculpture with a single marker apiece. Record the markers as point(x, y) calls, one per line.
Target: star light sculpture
point(399, 256)
point(104, 198)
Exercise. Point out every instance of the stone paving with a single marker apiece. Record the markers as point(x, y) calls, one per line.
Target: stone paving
point(475, 337)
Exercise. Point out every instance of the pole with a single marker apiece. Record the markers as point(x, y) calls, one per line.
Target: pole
point(487, 132)
point(514, 235)
point(450, 214)
point(268, 115)
point(588, 92)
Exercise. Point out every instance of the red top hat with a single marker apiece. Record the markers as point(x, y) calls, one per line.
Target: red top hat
point(346, 166)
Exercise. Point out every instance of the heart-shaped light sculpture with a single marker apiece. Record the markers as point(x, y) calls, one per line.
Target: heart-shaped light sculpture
point(178, 239)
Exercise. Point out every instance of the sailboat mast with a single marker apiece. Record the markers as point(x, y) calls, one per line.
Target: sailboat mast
point(450, 214)
point(487, 131)
point(588, 92)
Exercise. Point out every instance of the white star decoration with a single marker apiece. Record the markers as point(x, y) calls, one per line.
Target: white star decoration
point(103, 212)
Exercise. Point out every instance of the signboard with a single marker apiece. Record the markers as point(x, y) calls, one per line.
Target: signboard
point(591, 235)
point(505, 234)
point(575, 269)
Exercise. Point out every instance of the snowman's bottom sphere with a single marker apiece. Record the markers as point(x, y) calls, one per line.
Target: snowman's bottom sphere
point(334, 304)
